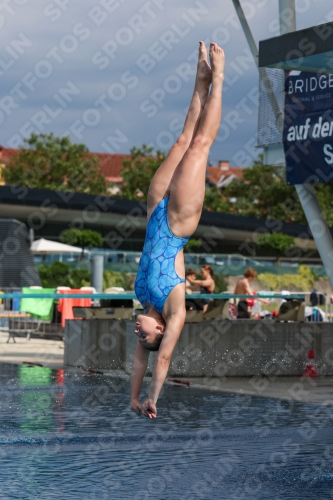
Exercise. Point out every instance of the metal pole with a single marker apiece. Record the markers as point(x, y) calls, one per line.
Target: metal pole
point(247, 31)
point(287, 16)
point(320, 231)
point(263, 73)
point(306, 192)
point(31, 235)
point(96, 278)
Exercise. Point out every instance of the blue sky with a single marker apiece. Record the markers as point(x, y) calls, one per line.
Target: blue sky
point(115, 74)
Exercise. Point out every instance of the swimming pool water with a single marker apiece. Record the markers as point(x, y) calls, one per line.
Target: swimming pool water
point(69, 435)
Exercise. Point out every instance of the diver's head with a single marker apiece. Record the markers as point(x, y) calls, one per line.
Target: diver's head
point(150, 329)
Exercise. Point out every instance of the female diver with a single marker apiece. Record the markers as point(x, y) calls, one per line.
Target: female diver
point(174, 206)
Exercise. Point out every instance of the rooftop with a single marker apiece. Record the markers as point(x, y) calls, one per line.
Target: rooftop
point(111, 165)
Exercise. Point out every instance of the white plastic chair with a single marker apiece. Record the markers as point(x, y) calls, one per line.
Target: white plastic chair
point(115, 289)
point(91, 289)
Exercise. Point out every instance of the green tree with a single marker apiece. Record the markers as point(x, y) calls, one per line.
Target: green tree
point(114, 278)
point(261, 193)
point(191, 244)
point(214, 200)
point(264, 193)
point(138, 171)
point(84, 238)
point(49, 162)
point(277, 243)
point(325, 199)
point(60, 274)
point(304, 280)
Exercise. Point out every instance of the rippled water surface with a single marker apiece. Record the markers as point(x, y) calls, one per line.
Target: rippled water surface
point(70, 435)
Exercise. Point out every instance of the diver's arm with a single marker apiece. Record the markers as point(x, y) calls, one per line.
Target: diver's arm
point(139, 367)
point(173, 329)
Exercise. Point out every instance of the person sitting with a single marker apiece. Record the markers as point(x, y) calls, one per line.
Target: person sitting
point(207, 284)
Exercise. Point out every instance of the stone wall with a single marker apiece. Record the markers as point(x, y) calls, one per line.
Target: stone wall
point(95, 343)
point(216, 348)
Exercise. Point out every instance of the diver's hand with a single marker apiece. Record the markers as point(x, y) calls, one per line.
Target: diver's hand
point(149, 408)
point(136, 406)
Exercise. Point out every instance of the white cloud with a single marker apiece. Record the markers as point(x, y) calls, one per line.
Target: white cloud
point(62, 46)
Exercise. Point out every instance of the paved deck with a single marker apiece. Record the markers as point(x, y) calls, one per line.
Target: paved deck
point(50, 353)
point(46, 352)
point(304, 389)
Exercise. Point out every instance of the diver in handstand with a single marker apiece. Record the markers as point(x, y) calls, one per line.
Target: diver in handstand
point(174, 206)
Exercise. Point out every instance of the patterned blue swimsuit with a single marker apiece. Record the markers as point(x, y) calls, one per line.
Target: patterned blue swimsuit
point(156, 276)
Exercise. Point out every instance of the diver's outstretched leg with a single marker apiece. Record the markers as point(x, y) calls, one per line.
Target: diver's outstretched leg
point(160, 184)
point(188, 184)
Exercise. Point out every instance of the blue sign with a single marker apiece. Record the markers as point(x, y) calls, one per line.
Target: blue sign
point(308, 127)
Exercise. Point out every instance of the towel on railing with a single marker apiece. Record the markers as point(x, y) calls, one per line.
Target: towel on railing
point(38, 308)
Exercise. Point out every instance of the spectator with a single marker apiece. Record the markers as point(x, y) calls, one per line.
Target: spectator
point(243, 288)
point(314, 298)
point(191, 304)
point(189, 288)
point(206, 284)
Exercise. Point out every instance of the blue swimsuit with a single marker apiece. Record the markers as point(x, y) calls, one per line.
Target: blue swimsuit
point(156, 276)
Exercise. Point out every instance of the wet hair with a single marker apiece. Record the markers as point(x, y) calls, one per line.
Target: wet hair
point(157, 342)
point(250, 273)
point(209, 269)
point(189, 272)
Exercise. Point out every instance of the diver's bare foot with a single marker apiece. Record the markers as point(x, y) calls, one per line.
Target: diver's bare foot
point(216, 56)
point(204, 73)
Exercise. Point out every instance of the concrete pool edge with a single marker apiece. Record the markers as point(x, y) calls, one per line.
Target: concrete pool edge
point(301, 389)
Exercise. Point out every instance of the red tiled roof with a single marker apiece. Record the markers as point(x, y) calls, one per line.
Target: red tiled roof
point(7, 153)
point(214, 174)
point(111, 164)
point(237, 171)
